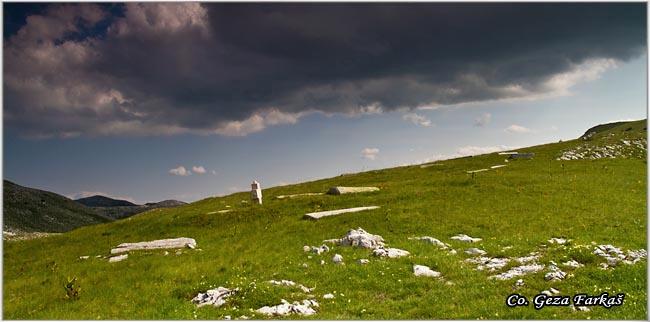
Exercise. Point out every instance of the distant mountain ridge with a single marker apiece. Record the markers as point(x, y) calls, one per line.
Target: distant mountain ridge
point(28, 210)
point(103, 201)
point(118, 209)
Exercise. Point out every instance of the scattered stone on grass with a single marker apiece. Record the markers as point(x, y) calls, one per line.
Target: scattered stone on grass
point(580, 308)
point(421, 270)
point(320, 250)
point(614, 255)
point(359, 238)
point(337, 259)
point(306, 248)
point(300, 195)
point(84, 257)
point(286, 308)
point(475, 251)
point(433, 241)
point(554, 291)
point(155, 244)
point(465, 238)
point(528, 259)
point(344, 190)
point(328, 296)
point(491, 264)
point(215, 297)
point(292, 284)
point(118, 258)
point(224, 211)
point(572, 263)
point(476, 171)
point(555, 273)
point(390, 252)
point(498, 166)
point(363, 261)
point(559, 241)
point(321, 214)
point(519, 282)
point(519, 271)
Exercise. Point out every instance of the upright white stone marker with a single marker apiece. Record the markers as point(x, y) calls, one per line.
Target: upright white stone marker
point(256, 192)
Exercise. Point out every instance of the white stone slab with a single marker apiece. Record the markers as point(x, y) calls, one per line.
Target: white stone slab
point(300, 195)
point(321, 214)
point(344, 190)
point(181, 242)
point(118, 258)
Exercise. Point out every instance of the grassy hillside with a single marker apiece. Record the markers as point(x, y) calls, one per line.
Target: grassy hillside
point(32, 210)
point(515, 209)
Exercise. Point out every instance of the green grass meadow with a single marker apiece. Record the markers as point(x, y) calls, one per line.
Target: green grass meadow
point(521, 205)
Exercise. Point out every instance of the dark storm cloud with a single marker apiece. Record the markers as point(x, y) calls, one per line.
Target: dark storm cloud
point(235, 68)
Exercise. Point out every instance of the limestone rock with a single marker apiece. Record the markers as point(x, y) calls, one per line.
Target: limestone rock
point(359, 238)
point(155, 244)
point(491, 264)
point(421, 270)
point(390, 252)
point(465, 238)
point(519, 271)
point(286, 308)
point(363, 261)
point(528, 259)
point(433, 241)
point(328, 296)
point(337, 259)
point(555, 274)
point(572, 263)
point(215, 297)
point(320, 250)
point(559, 241)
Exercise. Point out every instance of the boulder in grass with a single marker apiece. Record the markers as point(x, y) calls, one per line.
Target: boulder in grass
point(215, 297)
point(421, 270)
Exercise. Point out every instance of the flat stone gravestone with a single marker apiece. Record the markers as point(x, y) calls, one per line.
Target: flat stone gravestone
point(321, 214)
point(344, 190)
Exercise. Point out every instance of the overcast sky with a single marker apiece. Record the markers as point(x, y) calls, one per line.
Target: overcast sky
point(186, 100)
